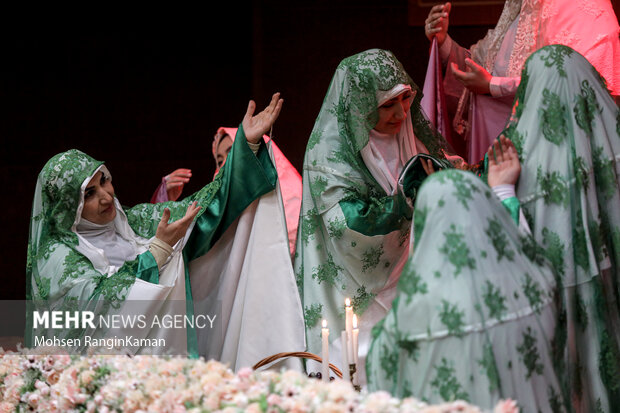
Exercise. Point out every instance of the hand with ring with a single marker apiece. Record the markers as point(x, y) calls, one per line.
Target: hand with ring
point(436, 24)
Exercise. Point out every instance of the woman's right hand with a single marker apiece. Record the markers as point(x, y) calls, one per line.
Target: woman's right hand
point(436, 24)
point(173, 232)
point(255, 126)
point(504, 165)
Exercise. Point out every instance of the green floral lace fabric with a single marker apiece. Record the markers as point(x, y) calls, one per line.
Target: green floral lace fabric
point(352, 237)
point(58, 274)
point(474, 315)
point(565, 126)
point(66, 272)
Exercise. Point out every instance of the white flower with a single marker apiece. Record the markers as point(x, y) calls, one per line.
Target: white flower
point(33, 400)
point(152, 383)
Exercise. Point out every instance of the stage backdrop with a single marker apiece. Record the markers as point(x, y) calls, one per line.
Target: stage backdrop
point(145, 91)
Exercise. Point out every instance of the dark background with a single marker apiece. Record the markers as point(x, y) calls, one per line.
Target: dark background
point(145, 92)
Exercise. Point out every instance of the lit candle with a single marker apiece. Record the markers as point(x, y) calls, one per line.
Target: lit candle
point(344, 356)
point(325, 355)
point(348, 311)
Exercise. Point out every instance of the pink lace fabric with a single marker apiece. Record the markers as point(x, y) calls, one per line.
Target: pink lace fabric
point(485, 50)
point(591, 28)
point(588, 26)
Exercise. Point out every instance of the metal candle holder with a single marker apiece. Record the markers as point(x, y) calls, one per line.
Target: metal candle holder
point(352, 371)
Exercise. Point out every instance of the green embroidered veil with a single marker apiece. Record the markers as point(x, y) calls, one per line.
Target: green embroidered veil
point(66, 272)
point(566, 127)
point(474, 315)
point(353, 236)
point(461, 325)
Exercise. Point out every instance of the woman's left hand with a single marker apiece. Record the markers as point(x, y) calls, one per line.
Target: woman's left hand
point(175, 182)
point(255, 126)
point(476, 79)
point(173, 232)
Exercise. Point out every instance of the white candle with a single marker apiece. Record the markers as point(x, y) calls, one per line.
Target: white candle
point(344, 356)
point(348, 311)
point(356, 332)
point(325, 355)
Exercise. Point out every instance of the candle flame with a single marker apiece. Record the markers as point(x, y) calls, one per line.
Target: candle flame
point(347, 302)
point(324, 323)
point(354, 321)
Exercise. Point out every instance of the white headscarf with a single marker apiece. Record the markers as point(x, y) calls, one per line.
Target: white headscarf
point(386, 155)
point(110, 245)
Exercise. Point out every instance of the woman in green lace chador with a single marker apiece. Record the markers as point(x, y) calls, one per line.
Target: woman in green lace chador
point(86, 252)
point(475, 314)
point(460, 326)
point(566, 127)
point(353, 235)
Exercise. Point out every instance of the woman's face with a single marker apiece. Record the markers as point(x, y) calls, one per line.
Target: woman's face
point(393, 113)
point(99, 200)
point(222, 151)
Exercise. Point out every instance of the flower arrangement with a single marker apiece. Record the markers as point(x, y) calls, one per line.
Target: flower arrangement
point(46, 380)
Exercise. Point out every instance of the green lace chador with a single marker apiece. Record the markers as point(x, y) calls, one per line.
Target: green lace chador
point(474, 315)
point(66, 272)
point(566, 128)
point(353, 236)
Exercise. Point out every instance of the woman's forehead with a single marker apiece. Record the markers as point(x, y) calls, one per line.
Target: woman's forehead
point(225, 141)
point(95, 179)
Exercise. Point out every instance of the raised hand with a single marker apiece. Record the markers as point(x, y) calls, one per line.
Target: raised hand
point(476, 79)
point(504, 166)
point(175, 182)
point(437, 22)
point(173, 232)
point(255, 126)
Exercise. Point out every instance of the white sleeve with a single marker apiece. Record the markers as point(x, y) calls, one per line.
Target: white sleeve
point(506, 191)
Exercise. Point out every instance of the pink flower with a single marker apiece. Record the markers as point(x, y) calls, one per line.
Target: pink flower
point(6, 407)
point(43, 388)
point(81, 398)
point(245, 373)
point(274, 399)
point(506, 406)
point(253, 408)
point(33, 400)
